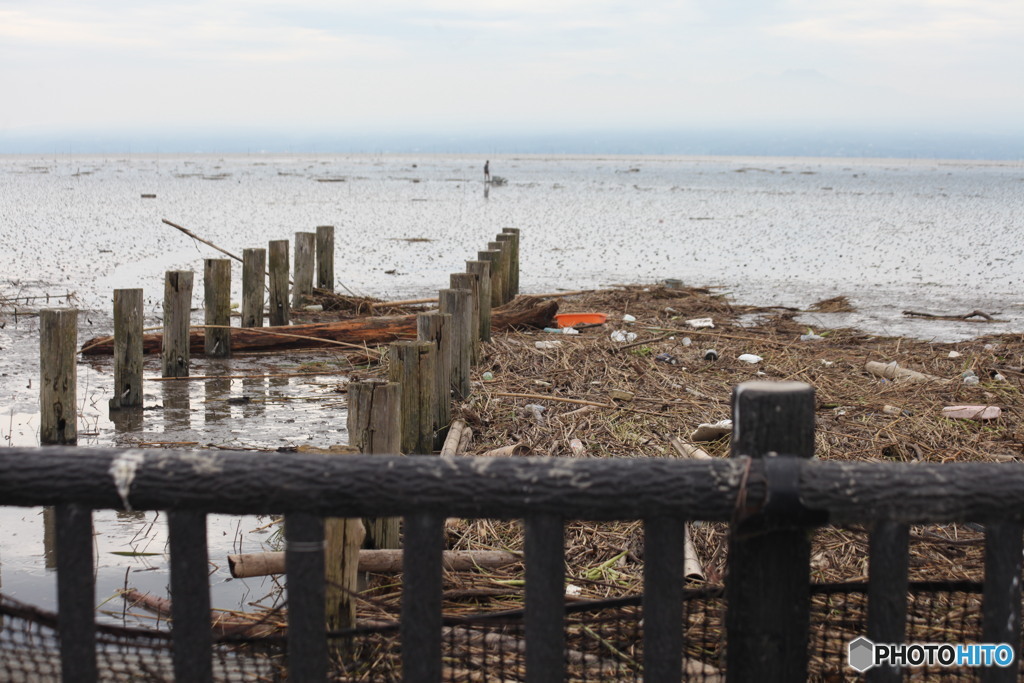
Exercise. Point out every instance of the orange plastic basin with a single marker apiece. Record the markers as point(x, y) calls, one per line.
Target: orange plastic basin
point(571, 319)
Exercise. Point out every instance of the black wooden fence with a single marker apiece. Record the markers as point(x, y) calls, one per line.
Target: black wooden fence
point(772, 494)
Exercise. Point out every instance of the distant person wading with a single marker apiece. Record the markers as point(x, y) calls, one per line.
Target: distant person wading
point(487, 171)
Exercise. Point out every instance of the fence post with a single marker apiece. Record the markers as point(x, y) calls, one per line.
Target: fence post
point(375, 427)
point(493, 258)
point(511, 235)
point(1000, 602)
point(217, 297)
point(280, 312)
point(483, 270)
point(254, 277)
point(437, 327)
point(325, 257)
point(177, 313)
point(58, 413)
point(471, 283)
point(411, 364)
point(767, 587)
point(887, 592)
point(456, 302)
point(127, 349)
point(503, 269)
point(305, 252)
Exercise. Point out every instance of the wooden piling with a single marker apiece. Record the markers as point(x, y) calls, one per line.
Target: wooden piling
point(177, 313)
point(493, 258)
point(280, 310)
point(412, 364)
point(457, 303)
point(254, 278)
point(504, 267)
point(325, 257)
point(436, 327)
point(58, 343)
point(483, 271)
point(471, 283)
point(305, 251)
point(343, 537)
point(217, 297)
point(513, 276)
point(375, 428)
point(127, 349)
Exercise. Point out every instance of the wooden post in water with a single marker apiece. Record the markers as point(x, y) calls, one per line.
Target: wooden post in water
point(493, 258)
point(305, 251)
point(254, 278)
point(325, 257)
point(483, 270)
point(177, 314)
point(471, 283)
point(512, 235)
point(58, 342)
point(504, 266)
point(280, 310)
point(217, 296)
point(767, 588)
point(127, 349)
point(457, 303)
point(436, 327)
point(375, 428)
point(412, 364)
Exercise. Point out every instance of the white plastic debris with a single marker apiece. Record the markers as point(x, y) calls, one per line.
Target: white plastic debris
point(314, 308)
point(577, 447)
point(536, 412)
point(954, 354)
point(572, 590)
point(570, 330)
point(709, 431)
point(972, 412)
point(623, 336)
point(698, 323)
point(811, 337)
point(750, 358)
point(627, 318)
point(548, 344)
point(827, 363)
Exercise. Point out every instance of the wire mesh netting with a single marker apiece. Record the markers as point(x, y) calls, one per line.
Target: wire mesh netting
point(604, 641)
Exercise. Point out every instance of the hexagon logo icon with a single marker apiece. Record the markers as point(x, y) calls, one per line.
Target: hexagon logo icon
point(860, 654)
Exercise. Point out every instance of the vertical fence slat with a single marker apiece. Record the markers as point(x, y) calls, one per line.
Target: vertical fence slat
point(305, 255)
point(483, 270)
point(217, 298)
point(58, 339)
point(190, 596)
point(76, 594)
point(768, 583)
point(421, 597)
point(304, 564)
point(887, 591)
point(127, 349)
point(1000, 602)
point(664, 544)
point(254, 278)
point(277, 259)
point(544, 619)
point(325, 257)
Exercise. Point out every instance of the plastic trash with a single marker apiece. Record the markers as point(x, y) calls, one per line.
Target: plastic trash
point(811, 337)
point(709, 431)
point(698, 323)
point(623, 336)
point(667, 358)
point(687, 341)
point(627, 318)
point(561, 330)
point(972, 412)
point(710, 354)
point(827, 363)
point(577, 447)
point(750, 358)
point(536, 412)
point(488, 376)
point(954, 354)
point(998, 377)
point(314, 308)
point(971, 380)
point(547, 344)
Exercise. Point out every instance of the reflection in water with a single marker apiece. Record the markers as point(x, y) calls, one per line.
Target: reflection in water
point(216, 405)
point(50, 537)
point(255, 389)
point(177, 408)
point(127, 420)
point(487, 190)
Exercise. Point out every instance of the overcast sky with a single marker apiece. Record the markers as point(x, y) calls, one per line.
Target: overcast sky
point(531, 65)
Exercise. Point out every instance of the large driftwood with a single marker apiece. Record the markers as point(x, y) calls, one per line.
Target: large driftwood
point(377, 561)
point(524, 311)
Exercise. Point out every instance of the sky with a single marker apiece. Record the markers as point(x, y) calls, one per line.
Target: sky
point(152, 71)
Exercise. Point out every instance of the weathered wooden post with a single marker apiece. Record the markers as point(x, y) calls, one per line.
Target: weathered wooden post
point(514, 269)
point(58, 342)
point(127, 349)
point(177, 313)
point(280, 311)
point(375, 428)
point(412, 364)
point(305, 251)
point(888, 563)
point(493, 258)
point(471, 283)
point(483, 270)
point(436, 327)
point(325, 257)
point(503, 268)
point(456, 302)
point(769, 565)
point(254, 278)
point(1001, 593)
point(217, 297)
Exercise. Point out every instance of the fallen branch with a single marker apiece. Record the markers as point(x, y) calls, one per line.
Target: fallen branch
point(376, 561)
point(966, 316)
point(451, 441)
point(222, 624)
point(200, 239)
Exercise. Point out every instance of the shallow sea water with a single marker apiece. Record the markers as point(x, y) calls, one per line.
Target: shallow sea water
point(940, 237)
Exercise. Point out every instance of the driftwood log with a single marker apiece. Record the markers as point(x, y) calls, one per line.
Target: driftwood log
point(376, 561)
point(524, 311)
